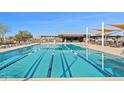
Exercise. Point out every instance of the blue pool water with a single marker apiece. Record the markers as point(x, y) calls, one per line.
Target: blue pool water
point(59, 61)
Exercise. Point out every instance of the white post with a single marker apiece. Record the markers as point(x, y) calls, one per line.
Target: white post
point(65, 41)
point(123, 35)
point(49, 40)
point(4, 38)
point(54, 41)
point(102, 61)
point(86, 41)
point(102, 34)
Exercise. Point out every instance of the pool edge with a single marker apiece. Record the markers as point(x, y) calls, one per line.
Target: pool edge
point(65, 79)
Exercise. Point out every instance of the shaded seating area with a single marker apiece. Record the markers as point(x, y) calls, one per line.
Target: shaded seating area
point(111, 37)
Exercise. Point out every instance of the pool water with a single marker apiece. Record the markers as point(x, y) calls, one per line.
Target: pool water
point(59, 61)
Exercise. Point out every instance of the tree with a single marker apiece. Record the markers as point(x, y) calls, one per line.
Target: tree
point(23, 35)
point(3, 30)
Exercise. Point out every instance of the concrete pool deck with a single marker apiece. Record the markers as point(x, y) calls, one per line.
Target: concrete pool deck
point(65, 79)
point(16, 47)
point(105, 49)
point(22, 46)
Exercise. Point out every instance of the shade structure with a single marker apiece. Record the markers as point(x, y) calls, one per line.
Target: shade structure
point(102, 32)
point(121, 26)
point(106, 30)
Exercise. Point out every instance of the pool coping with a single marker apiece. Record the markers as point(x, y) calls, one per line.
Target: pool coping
point(23, 46)
point(121, 56)
point(18, 47)
point(65, 79)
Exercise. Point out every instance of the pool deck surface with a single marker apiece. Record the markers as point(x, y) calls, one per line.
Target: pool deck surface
point(21, 46)
point(65, 79)
point(105, 49)
point(12, 48)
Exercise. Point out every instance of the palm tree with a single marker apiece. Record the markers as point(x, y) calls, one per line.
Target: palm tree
point(3, 30)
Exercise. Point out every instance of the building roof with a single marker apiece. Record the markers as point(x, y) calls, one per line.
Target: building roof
point(48, 36)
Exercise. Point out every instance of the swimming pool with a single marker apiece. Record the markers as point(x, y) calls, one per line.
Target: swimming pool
point(59, 61)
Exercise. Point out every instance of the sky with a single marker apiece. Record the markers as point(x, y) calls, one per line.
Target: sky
point(54, 23)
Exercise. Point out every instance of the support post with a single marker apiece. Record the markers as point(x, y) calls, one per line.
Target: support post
point(54, 41)
point(123, 35)
point(86, 41)
point(102, 34)
point(65, 41)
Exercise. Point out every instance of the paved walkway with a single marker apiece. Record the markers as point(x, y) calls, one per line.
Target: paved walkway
point(105, 49)
point(12, 48)
point(65, 79)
